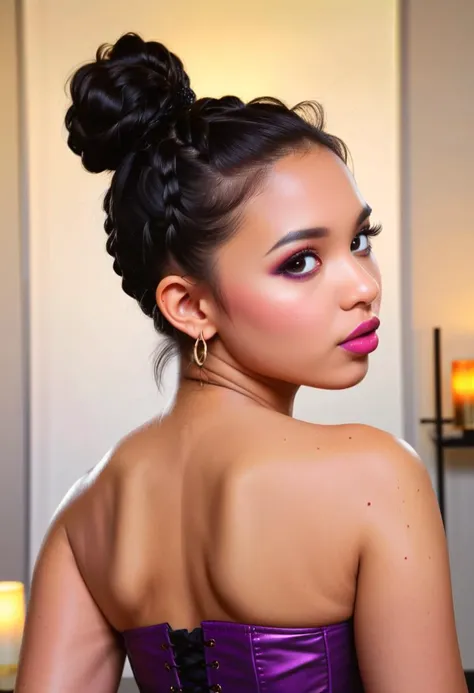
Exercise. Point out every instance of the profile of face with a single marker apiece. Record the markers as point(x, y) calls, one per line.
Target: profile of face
point(299, 276)
point(275, 271)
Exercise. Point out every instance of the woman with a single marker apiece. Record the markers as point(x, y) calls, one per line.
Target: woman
point(286, 556)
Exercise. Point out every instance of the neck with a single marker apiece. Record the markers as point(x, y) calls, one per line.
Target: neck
point(221, 377)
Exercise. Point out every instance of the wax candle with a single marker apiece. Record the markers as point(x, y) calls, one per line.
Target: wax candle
point(462, 384)
point(12, 619)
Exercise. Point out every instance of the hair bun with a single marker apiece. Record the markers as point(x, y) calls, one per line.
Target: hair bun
point(116, 99)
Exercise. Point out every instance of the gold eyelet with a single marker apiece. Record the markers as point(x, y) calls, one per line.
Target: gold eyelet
point(167, 666)
point(215, 664)
point(164, 646)
point(217, 688)
point(210, 643)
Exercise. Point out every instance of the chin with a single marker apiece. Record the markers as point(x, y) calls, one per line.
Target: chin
point(343, 378)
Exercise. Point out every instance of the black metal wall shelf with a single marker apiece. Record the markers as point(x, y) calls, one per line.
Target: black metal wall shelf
point(441, 439)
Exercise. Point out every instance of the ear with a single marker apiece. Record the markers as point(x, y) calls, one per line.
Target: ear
point(187, 306)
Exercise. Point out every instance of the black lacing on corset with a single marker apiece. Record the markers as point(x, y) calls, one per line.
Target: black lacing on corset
point(190, 661)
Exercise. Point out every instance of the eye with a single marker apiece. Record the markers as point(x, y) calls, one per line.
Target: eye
point(302, 264)
point(361, 244)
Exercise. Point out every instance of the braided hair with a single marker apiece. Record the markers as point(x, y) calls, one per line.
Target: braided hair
point(182, 168)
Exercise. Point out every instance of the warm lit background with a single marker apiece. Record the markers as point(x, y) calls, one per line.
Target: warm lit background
point(90, 347)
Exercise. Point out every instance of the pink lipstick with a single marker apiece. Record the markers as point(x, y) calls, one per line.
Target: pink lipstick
point(364, 339)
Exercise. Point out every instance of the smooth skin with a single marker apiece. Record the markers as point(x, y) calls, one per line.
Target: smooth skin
point(229, 509)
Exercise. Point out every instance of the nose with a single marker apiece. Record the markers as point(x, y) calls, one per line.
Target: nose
point(359, 283)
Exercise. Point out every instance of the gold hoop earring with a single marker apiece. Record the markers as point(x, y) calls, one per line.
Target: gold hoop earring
point(200, 358)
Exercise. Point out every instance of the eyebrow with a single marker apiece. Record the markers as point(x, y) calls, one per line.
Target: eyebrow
point(316, 232)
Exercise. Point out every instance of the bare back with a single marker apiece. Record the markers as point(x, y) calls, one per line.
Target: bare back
point(237, 513)
point(250, 517)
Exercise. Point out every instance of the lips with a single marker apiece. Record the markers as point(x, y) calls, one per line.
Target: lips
point(364, 328)
point(363, 340)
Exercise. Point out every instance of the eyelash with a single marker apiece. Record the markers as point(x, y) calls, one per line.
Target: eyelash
point(370, 231)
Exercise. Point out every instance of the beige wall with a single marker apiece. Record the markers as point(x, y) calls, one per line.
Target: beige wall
point(439, 69)
point(12, 404)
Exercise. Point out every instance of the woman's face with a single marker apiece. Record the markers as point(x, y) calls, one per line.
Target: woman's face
point(299, 276)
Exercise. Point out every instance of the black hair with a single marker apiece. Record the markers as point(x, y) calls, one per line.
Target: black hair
point(183, 168)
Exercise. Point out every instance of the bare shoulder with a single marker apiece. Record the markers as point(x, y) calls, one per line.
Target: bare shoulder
point(79, 488)
point(366, 449)
point(379, 441)
point(387, 462)
point(382, 466)
point(352, 466)
point(96, 493)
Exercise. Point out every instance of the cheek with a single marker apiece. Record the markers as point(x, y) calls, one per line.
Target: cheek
point(278, 307)
point(376, 271)
point(378, 278)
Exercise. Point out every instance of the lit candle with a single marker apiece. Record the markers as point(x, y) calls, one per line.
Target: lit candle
point(463, 393)
point(12, 619)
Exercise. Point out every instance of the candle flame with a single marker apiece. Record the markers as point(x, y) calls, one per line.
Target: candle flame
point(463, 380)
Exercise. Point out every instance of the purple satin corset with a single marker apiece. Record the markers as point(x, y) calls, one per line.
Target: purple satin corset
point(236, 658)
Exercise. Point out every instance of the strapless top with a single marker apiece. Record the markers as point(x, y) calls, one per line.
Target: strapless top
point(237, 658)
